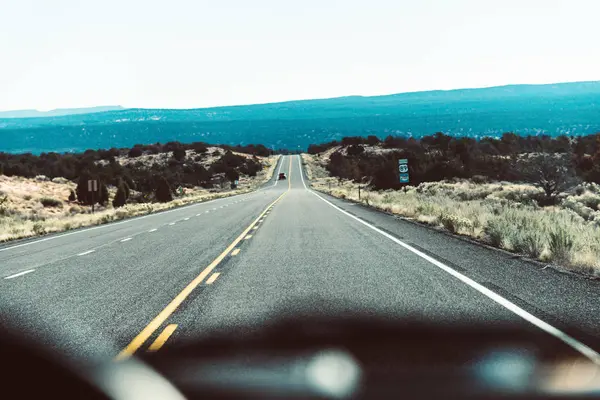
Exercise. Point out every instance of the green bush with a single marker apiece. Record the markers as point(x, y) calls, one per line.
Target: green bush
point(50, 202)
point(561, 245)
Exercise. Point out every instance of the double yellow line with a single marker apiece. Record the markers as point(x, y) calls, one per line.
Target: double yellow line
point(156, 323)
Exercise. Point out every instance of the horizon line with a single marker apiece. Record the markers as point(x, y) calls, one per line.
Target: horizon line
point(123, 108)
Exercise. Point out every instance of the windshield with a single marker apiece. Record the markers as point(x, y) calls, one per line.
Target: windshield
point(170, 169)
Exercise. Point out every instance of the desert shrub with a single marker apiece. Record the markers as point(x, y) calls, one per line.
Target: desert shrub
point(123, 213)
point(38, 228)
point(591, 200)
point(534, 244)
point(121, 196)
point(496, 232)
point(72, 195)
point(75, 209)
point(51, 202)
point(135, 152)
point(472, 194)
point(529, 241)
point(27, 197)
point(163, 191)
point(451, 222)
point(425, 209)
point(560, 244)
point(479, 179)
point(60, 179)
point(179, 154)
point(581, 209)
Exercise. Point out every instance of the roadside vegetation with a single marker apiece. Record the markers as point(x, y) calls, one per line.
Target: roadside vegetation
point(129, 185)
point(546, 208)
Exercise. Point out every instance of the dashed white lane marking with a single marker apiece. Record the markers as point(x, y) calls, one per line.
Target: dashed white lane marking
point(587, 351)
point(104, 226)
point(248, 237)
point(153, 230)
point(197, 215)
point(125, 240)
point(213, 278)
point(186, 219)
point(255, 228)
point(235, 252)
point(206, 212)
point(86, 252)
point(20, 274)
point(172, 223)
point(214, 209)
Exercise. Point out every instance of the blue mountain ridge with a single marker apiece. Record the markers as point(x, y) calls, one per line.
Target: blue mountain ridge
point(553, 109)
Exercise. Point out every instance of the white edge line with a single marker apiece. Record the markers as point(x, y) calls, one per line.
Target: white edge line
point(19, 274)
point(116, 223)
point(587, 351)
point(86, 252)
point(278, 171)
point(301, 174)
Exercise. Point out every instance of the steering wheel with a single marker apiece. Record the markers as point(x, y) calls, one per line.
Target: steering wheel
point(31, 371)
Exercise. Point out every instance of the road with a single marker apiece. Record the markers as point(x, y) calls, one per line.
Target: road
point(118, 289)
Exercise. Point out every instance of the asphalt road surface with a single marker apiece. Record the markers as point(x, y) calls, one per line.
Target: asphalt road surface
point(122, 288)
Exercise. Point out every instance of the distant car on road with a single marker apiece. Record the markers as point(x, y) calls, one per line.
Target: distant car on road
point(282, 176)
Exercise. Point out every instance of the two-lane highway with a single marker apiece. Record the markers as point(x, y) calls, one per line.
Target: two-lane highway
point(281, 250)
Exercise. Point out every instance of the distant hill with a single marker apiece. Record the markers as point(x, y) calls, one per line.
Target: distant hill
point(58, 112)
point(555, 109)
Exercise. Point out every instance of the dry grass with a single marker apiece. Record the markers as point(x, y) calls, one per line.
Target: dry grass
point(501, 214)
point(22, 213)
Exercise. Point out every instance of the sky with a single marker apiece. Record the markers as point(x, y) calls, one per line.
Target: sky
point(197, 53)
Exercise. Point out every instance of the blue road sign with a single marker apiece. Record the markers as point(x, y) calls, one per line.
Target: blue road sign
point(403, 170)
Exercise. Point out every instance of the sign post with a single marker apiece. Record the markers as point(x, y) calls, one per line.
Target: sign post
point(403, 170)
point(92, 188)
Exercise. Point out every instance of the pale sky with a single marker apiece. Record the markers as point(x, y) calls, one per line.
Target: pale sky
point(197, 53)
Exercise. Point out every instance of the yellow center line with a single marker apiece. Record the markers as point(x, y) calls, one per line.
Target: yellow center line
point(212, 278)
point(162, 338)
point(143, 336)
